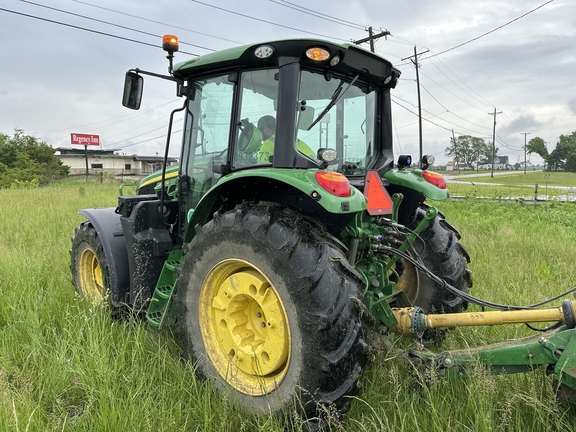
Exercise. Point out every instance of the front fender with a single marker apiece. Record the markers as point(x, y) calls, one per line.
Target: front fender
point(106, 222)
point(414, 180)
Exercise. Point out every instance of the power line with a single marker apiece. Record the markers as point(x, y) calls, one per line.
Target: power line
point(320, 15)
point(87, 29)
point(265, 21)
point(125, 117)
point(452, 72)
point(140, 142)
point(487, 33)
point(450, 112)
point(453, 94)
point(157, 22)
point(109, 23)
point(423, 118)
point(438, 115)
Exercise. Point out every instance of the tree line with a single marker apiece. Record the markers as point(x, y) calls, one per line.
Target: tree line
point(27, 162)
point(469, 150)
point(562, 158)
point(473, 151)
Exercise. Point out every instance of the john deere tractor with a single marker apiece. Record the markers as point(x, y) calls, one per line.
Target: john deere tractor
point(288, 234)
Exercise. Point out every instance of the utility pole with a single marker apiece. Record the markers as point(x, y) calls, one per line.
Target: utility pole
point(525, 133)
point(494, 140)
point(455, 151)
point(415, 61)
point(372, 37)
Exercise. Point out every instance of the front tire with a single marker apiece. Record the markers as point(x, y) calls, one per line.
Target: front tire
point(88, 265)
point(270, 310)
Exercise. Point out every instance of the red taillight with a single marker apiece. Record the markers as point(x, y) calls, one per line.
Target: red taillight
point(335, 183)
point(434, 178)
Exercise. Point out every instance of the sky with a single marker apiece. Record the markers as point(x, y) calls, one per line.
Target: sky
point(63, 64)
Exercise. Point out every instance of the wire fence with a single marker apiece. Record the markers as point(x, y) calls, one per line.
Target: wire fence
point(102, 178)
point(526, 193)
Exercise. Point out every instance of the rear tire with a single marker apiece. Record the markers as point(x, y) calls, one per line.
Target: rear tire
point(270, 311)
point(444, 255)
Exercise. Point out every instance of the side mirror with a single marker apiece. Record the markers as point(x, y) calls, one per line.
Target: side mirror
point(133, 86)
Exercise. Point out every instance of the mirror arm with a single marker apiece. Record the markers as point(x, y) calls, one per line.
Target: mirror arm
point(166, 77)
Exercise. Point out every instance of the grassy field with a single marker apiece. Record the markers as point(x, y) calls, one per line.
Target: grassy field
point(67, 366)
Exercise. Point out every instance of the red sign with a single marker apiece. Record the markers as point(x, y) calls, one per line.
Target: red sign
point(85, 139)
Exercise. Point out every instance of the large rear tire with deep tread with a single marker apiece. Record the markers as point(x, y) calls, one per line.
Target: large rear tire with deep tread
point(440, 250)
point(270, 311)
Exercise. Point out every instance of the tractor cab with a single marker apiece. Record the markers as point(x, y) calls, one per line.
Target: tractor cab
point(284, 105)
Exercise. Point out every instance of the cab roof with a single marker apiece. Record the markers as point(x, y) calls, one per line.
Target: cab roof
point(353, 60)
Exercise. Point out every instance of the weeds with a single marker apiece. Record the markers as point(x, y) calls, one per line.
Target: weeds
point(66, 365)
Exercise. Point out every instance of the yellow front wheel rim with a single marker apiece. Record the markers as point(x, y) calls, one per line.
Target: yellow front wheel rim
point(244, 327)
point(90, 274)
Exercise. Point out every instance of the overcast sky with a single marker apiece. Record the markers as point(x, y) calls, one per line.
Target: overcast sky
point(58, 79)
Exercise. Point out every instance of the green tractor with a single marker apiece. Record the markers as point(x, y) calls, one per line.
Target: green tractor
point(285, 236)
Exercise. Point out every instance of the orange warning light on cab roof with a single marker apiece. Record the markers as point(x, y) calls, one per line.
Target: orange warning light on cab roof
point(170, 43)
point(379, 201)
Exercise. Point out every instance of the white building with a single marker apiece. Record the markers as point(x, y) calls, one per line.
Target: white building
point(109, 162)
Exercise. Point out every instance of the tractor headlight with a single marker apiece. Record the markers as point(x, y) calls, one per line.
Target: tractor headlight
point(327, 155)
point(427, 160)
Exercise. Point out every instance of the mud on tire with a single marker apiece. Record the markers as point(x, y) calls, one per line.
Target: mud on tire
point(305, 354)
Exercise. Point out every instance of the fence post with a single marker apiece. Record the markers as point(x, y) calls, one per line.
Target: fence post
point(536, 194)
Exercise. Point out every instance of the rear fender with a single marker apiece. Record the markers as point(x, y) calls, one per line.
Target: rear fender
point(297, 189)
point(413, 179)
point(109, 229)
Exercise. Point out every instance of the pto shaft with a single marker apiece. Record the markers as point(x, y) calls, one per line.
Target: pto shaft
point(413, 321)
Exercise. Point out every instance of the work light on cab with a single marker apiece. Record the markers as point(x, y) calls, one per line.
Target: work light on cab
point(264, 51)
point(333, 182)
point(427, 160)
point(434, 178)
point(327, 155)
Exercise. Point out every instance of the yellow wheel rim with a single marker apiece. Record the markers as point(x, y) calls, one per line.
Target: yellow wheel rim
point(90, 274)
point(244, 327)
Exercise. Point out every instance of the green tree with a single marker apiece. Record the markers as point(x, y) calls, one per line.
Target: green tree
point(538, 146)
point(563, 157)
point(469, 150)
point(25, 161)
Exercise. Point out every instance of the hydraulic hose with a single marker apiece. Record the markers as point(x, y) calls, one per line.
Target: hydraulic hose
point(466, 296)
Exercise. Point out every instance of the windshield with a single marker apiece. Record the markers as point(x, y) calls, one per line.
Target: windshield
point(331, 113)
point(341, 114)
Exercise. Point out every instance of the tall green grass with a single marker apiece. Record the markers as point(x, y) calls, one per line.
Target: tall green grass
point(67, 366)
